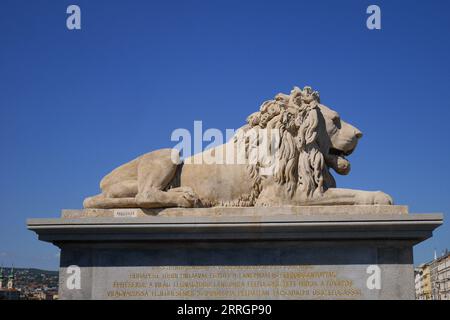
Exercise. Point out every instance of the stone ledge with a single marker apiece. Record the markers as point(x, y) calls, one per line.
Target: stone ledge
point(241, 211)
point(415, 228)
point(343, 241)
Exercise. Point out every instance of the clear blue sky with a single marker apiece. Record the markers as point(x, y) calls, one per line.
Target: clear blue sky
point(76, 104)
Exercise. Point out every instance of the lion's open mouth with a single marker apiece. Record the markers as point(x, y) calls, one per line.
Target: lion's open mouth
point(336, 160)
point(340, 153)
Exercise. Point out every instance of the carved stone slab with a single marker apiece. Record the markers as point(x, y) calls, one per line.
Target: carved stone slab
point(238, 211)
point(238, 253)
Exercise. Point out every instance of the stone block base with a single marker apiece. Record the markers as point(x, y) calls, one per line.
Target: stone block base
point(236, 253)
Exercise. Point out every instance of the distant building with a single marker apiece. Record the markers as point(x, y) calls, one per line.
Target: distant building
point(432, 279)
point(7, 290)
point(417, 283)
point(440, 277)
point(423, 282)
point(10, 283)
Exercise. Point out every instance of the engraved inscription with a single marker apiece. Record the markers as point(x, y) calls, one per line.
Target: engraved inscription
point(232, 282)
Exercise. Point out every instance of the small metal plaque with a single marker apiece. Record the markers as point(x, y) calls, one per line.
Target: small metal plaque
point(125, 213)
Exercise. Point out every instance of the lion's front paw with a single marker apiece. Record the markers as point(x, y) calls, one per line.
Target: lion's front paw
point(186, 197)
point(376, 197)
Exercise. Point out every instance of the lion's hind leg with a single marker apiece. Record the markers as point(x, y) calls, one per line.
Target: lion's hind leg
point(143, 184)
point(100, 201)
point(123, 189)
point(156, 170)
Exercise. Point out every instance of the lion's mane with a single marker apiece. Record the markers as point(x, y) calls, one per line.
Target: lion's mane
point(301, 163)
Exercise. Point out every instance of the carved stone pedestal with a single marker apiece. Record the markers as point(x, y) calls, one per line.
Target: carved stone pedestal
point(341, 252)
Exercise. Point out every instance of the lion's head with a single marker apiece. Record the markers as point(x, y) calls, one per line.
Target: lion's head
point(313, 139)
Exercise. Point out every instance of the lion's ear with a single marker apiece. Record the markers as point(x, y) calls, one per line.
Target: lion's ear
point(316, 96)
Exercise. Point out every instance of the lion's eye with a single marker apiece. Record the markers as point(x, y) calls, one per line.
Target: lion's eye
point(337, 121)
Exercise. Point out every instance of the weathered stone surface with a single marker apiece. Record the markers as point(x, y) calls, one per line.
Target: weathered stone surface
point(306, 140)
point(238, 211)
point(239, 256)
point(271, 227)
point(227, 270)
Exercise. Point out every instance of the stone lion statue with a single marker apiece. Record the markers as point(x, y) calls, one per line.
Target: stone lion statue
point(312, 139)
